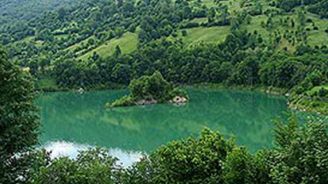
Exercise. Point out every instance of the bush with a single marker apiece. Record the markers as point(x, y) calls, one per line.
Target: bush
point(178, 92)
point(122, 102)
point(301, 154)
point(323, 92)
point(92, 166)
point(190, 25)
point(192, 160)
point(237, 167)
point(19, 119)
point(184, 33)
point(154, 86)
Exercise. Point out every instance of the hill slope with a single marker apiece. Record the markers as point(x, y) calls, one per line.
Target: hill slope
point(104, 43)
point(206, 21)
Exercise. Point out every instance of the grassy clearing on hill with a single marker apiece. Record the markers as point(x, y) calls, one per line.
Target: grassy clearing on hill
point(315, 37)
point(318, 37)
point(128, 43)
point(62, 36)
point(316, 89)
point(205, 34)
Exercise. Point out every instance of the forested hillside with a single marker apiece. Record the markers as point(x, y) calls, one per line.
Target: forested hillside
point(102, 43)
point(16, 13)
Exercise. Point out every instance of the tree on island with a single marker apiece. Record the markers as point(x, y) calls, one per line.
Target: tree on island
point(151, 90)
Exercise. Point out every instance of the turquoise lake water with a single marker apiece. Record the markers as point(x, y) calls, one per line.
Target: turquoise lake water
point(73, 121)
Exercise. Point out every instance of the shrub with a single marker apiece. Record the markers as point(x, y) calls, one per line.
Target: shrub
point(184, 33)
point(92, 166)
point(124, 101)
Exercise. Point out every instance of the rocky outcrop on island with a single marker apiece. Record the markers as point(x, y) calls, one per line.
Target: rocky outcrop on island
point(179, 100)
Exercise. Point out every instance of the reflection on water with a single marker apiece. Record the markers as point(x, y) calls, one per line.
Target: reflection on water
point(82, 119)
point(69, 149)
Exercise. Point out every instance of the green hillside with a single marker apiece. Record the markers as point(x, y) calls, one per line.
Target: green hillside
point(128, 43)
point(279, 44)
point(202, 25)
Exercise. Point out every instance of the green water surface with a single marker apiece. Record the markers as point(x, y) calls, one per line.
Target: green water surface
point(82, 119)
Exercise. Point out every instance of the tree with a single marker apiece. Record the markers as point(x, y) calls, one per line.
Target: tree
point(217, 72)
point(301, 154)
point(288, 5)
point(246, 72)
point(224, 14)
point(184, 32)
point(154, 86)
point(45, 35)
point(121, 73)
point(66, 72)
point(62, 12)
point(91, 166)
point(284, 74)
point(118, 51)
point(211, 15)
point(238, 167)
point(19, 121)
point(191, 160)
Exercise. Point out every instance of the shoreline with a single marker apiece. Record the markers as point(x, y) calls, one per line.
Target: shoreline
point(298, 105)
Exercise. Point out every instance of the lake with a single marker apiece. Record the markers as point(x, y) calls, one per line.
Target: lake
point(73, 121)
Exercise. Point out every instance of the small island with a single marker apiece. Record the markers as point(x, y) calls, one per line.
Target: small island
point(151, 89)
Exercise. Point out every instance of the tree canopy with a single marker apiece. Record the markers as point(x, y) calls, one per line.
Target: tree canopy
point(18, 118)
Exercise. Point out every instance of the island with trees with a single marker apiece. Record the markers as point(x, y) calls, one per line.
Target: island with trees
point(151, 89)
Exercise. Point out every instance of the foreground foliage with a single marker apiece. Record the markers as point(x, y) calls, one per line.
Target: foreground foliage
point(299, 156)
point(18, 119)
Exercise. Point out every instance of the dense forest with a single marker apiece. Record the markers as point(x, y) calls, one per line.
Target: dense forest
point(99, 44)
